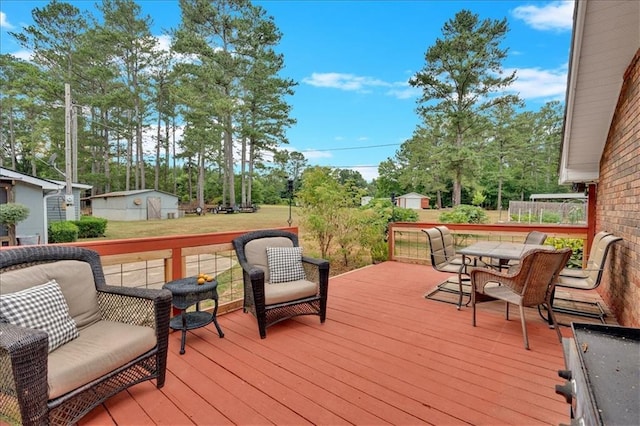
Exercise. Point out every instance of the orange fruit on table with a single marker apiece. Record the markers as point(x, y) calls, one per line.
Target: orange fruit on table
point(201, 280)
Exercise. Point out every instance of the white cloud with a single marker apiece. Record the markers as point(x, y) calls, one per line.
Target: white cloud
point(164, 42)
point(348, 82)
point(368, 173)
point(362, 84)
point(538, 83)
point(556, 16)
point(25, 55)
point(310, 154)
point(406, 92)
point(149, 137)
point(4, 23)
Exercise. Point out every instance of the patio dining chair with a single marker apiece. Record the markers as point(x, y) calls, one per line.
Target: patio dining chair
point(279, 282)
point(528, 284)
point(444, 259)
point(533, 237)
point(587, 278)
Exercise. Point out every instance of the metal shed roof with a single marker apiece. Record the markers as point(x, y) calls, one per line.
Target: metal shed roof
point(32, 180)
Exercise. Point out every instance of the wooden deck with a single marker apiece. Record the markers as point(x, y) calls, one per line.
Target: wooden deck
point(385, 355)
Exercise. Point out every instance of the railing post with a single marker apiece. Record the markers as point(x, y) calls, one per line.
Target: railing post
point(390, 240)
point(592, 198)
point(176, 264)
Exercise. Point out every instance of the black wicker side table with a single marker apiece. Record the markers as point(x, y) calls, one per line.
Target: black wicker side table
point(187, 292)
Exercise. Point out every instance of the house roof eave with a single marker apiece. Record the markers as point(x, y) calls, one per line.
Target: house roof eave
point(606, 36)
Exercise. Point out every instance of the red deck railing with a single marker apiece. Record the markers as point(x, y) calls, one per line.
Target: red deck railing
point(153, 261)
point(407, 242)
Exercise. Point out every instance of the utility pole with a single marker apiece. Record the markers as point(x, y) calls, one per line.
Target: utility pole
point(68, 171)
point(74, 142)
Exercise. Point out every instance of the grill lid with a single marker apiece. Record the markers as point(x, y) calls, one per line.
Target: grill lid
point(610, 356)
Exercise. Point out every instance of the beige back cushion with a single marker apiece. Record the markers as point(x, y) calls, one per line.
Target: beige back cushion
point(76, 282)
point(256, 251)
point(436, 244)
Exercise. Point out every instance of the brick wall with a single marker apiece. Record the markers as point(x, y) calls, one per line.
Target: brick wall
point(618, 201)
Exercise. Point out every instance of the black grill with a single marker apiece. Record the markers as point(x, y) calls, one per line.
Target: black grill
point(603, 374)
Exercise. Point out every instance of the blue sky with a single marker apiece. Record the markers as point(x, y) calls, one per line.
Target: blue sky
point(353, 59)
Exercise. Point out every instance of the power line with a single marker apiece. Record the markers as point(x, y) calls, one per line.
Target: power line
point(351, 167)
point(348, 148)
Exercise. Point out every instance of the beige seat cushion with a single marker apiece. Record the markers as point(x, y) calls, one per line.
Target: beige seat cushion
point(75, 279)
point(574, 273)
point(285, 292)
point(100, 348)
point(256, 252)
point(573, 282)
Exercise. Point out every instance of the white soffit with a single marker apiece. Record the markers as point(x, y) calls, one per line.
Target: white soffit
point(605, 39)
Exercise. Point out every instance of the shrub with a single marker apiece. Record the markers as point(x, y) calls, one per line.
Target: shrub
point(375, 225)
point(464, 213)
point(551, 217)
point(10, 215)
point(63, 232)
point(400, 214)
point(91, 227)
point(478, 198)
point(547, 217)
point(576, 214)
point(575, 244)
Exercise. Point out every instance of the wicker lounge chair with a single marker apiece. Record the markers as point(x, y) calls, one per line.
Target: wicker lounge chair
point(528, 284)
point(277, 286)
point(114, 337)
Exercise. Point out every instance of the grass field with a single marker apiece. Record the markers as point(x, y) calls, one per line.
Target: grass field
point(265, 217)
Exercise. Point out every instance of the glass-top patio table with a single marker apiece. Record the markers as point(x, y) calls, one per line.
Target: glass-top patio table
point(500, 250)
point(503, 251)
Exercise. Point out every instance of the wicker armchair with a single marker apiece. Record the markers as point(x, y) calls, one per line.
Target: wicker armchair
point(40, 385)
point(528, 284)
point(273, 302)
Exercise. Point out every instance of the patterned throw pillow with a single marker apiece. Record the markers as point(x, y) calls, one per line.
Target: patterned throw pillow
point(41, 307)
point(285, 264)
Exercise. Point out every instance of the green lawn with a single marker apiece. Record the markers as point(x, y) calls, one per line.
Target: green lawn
point(265, 217)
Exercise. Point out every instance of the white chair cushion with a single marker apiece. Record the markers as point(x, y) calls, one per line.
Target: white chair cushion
point(286, 292)
point(42, 307)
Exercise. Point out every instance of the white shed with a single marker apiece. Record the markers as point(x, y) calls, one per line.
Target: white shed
point(141, 204)
point(413, 200)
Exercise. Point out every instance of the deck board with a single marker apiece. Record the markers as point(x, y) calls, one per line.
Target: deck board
point(385, 355)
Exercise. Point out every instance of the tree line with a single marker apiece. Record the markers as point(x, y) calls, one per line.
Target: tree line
point(208, 113)
point(176, 115)
point(476, 144)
